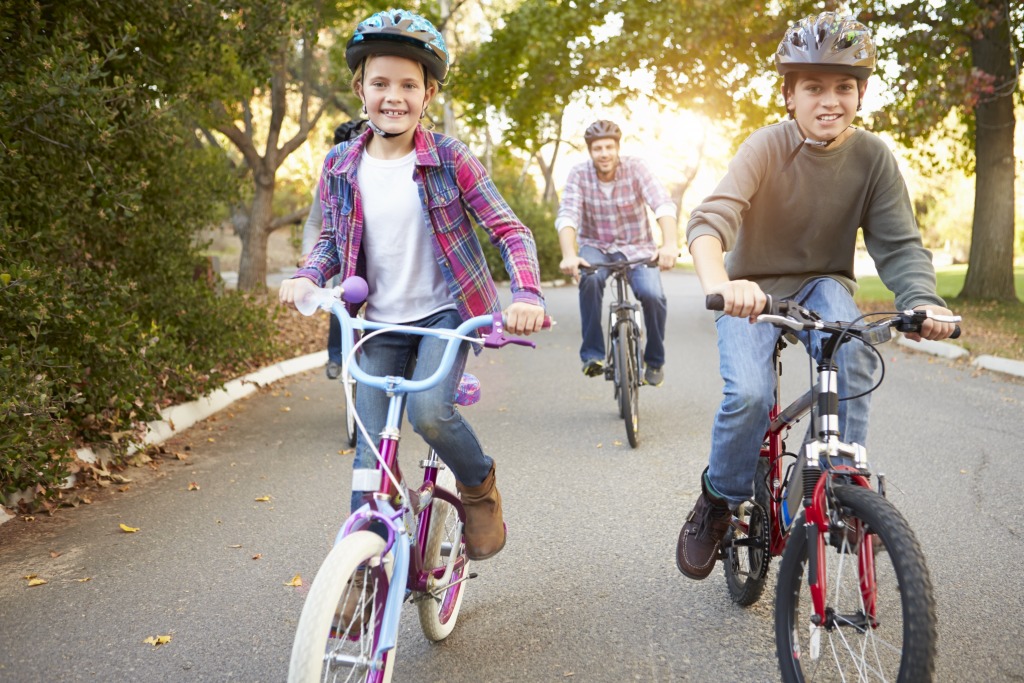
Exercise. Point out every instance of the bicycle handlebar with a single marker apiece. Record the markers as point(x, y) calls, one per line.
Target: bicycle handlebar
point(354, 290)
point(620, 265)
point(791, 315)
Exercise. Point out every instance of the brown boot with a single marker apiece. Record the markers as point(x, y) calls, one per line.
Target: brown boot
point(484, 531)
point(350, 618)
point(701, 535)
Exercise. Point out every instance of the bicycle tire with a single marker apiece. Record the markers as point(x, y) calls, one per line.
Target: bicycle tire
point(746, 567)
point(901, 647)
point(629, 377)
point(439, 613)
point(319, 633)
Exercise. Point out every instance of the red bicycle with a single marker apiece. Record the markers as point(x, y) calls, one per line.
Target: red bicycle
point(854, 600)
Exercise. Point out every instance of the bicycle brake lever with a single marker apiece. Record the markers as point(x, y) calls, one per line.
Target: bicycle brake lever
point(496, 338)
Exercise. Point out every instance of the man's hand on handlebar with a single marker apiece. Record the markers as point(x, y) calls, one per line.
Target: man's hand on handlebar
point(933, 329)
point(570, 265)
point(743, 298)
point(524, 319)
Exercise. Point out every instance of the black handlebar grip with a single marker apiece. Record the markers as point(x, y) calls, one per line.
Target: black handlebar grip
point(716, 302)
point(956, 333)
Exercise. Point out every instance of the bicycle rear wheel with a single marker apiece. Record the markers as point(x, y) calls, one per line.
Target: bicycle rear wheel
point(327, 649)
point(439, 609)
point(747, 549)
point(892, 641)
point(629, 381)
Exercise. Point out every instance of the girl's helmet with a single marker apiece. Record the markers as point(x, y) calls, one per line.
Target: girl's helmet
point(400, 33)
point(602, 129)
point(827, 42)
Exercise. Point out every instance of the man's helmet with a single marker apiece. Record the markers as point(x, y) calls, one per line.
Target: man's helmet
point(602, 129)
point(827, 42)
point(400, 33)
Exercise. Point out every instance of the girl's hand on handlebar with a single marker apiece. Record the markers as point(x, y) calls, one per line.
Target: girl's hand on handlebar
point(524, 319)
point(743, 298)
point(667, 257)
point(933, 329)
point(292, 289)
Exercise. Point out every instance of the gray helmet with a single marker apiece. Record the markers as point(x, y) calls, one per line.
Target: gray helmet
point(602, 129)
point(827, 42)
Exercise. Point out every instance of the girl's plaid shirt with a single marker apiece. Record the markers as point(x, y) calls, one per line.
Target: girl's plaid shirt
point(453, 187)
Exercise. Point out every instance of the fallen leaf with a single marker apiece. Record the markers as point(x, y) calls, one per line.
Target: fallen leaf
point(257, 556)
point(600, 445)
point(128, 529)
point(211, 439)
point(30, 576)
point(235, 546)
point(296, 581)
point(181, 456)
point(616, 443)
point(286, 409)
point(36, 582)
point(88, 578)
point(263, 499)
point(192, 486)
point(156, 641)
point(54, 554)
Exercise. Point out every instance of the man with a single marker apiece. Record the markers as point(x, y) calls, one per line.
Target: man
point(604, 209)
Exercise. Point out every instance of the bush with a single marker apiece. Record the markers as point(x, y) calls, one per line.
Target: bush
point(102, 318)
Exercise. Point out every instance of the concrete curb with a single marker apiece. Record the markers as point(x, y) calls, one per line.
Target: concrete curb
point(178, 418)
point(954, 352)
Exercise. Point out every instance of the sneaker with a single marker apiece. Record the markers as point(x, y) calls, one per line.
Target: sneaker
point(333, 370)
point(701, 535)
point(654, 376)
point(353, 615)
point(593, 368)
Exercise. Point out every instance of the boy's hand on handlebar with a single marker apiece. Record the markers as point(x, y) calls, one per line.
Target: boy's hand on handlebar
point(524, 319)
point(930, 328)
point(571, 266)
point(292, 289)
point(743, 298)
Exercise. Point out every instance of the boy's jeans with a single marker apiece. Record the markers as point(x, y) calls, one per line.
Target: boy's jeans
point(646, 284)
point(745, 352)
point(432, 413)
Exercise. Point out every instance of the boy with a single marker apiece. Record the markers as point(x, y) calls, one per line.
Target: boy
point(787, 212)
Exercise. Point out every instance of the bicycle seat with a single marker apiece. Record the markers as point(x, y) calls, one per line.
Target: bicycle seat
point(468, 392)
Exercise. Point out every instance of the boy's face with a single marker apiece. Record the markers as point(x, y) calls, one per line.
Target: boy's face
point(604, 152)
point(394, 92)
point(824, 104)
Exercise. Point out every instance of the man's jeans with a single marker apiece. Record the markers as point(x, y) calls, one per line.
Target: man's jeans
point(745, 351)
point(646, 284)
point(432, 413)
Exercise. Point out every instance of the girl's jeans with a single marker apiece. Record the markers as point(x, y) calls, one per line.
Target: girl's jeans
point(432, 413)
point(646, 284)
point(745, 351)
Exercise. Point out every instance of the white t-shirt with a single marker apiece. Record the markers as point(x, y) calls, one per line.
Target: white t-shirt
point(405, 282)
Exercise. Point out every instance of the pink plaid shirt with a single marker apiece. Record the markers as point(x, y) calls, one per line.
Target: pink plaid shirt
point(453, 187)
point(618, 223)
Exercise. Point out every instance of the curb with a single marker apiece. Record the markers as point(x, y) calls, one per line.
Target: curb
point(175, 419)
point(954, 352)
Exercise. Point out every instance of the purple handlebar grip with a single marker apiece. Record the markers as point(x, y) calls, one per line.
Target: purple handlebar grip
point(354, 290)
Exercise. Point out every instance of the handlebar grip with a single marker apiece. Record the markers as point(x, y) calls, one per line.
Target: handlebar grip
point(716, 302)
point(354, 290)
point(956, 333)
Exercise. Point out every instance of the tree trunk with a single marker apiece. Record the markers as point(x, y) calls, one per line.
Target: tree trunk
point(252, 266)
point(990, 264)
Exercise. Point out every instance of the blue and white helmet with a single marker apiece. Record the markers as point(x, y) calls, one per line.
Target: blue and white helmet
point(400, 33)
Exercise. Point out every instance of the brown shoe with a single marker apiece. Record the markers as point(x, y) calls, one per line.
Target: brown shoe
point(347, 620)
point(485, 530)
point(701, 535)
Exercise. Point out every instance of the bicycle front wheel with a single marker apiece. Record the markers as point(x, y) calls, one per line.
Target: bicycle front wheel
point(629, 380)
point(327, 648)
point(350, 416)
point(439, 609)
point(879, 611)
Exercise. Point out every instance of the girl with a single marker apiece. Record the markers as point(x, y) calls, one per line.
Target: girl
point(397, 203)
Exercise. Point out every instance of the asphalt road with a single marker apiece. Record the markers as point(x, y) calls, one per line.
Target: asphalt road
point(586, 589)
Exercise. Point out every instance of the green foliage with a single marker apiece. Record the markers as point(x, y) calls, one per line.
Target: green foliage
point(103, 319)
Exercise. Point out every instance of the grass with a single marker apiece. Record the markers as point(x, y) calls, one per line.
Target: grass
point(995, 328)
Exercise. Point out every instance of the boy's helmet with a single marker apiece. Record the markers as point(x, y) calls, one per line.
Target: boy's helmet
point(602, 129)
point(400, 33)
point(827, 42)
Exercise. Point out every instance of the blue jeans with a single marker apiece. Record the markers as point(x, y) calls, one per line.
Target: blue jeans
point(745, 351)
point(431, 413)
point(646, 285)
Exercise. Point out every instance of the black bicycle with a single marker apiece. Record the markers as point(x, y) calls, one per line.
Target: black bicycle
point(625, 345)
